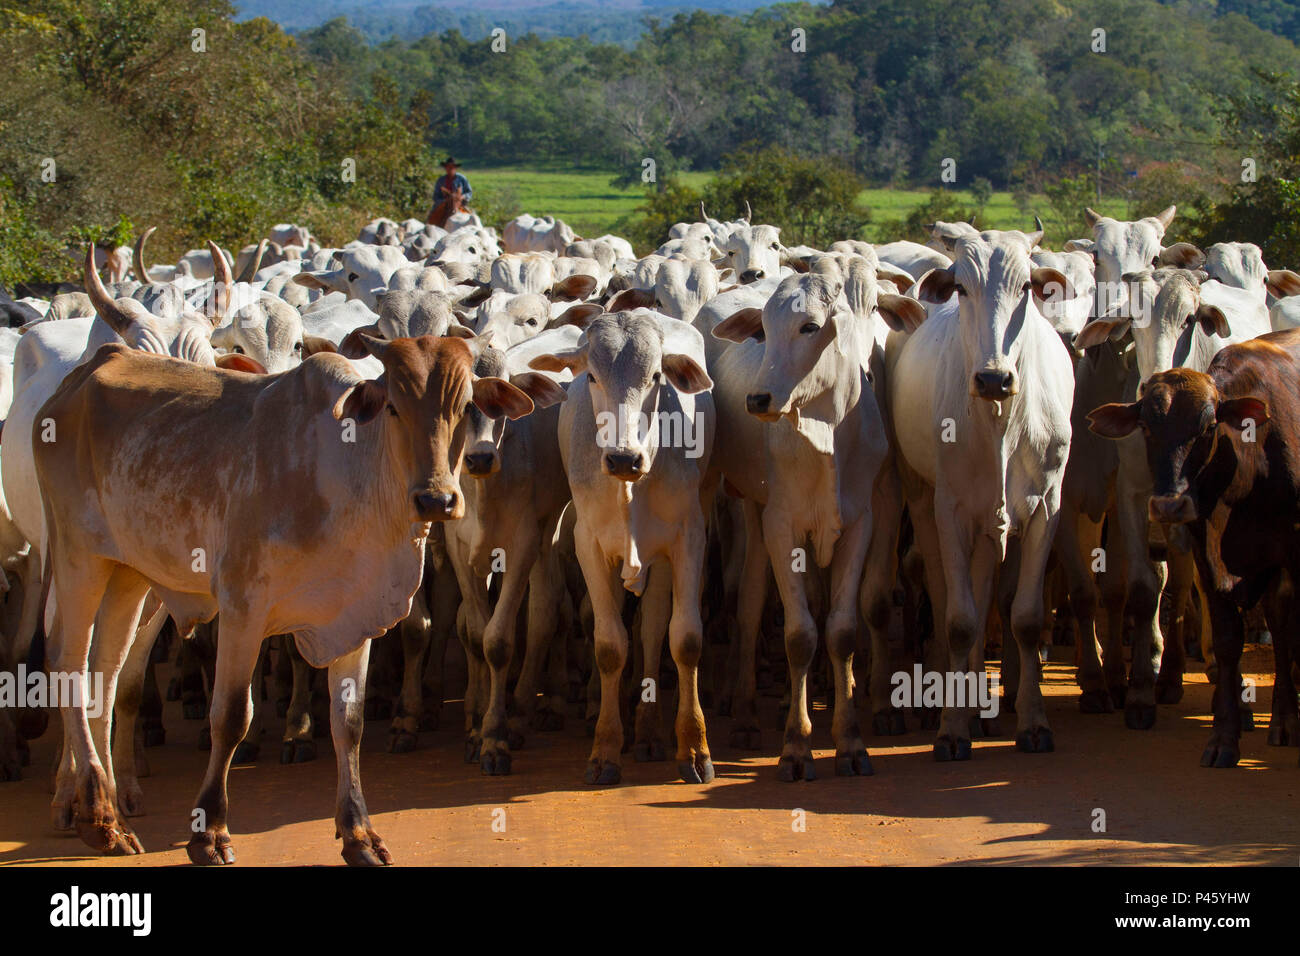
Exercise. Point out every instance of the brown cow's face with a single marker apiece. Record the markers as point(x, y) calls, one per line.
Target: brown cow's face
point(1178, 414)
point(426, 390)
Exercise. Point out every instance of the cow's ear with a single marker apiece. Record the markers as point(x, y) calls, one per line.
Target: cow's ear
point(900, 312)
point(1050, 285)
point(1115, 420)
point(352, 345)
point(1182, 255)
point(496, 397)
point(1282, 283)
point(326, 281)
point(1236, 412)
point(1098, 331)
point(579, 315)
point(542, 389)
point(1080, 245)
point(362, 402)
point(573, 287)
point(575, 360)
point(235, 362)
point(222, 336)
point(685, 374)
point(938, 285)
point(311, 344)
point(739, 326)
point(457, 331)
point(1212, 320)
point(901, 280)
point(630, 299)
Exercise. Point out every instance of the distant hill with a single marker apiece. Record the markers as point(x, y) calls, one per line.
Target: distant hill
point(604, 21)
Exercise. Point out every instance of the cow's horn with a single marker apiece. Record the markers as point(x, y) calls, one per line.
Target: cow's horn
point(141, 273)
point(104, 304)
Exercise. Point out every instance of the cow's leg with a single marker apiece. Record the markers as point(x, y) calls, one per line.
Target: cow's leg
point(751, 596)
point(877, 595)
point(545, 592)
point(298, 745)
point(123, 594)
point(655, 609)
point(414, 633)
point(362, 846)
point(686, 643)
point(1027, 612)
point(1182, 571)
point(847, 586)
point(498, 649)
point(1077, 539)
point(1280, 610)
point(796, 761)
point(970, 564)
point(926, 532)
point(1223, 749)
point(1145, 583)
point(251, 745)
point(1113, 584)
point(232, 711)
point(443, 602)
point(605, 766)
point(126, 707)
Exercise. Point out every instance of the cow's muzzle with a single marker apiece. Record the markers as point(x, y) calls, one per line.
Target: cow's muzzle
point(760, 405)
point(627, 466)
point(481, 464)
point(436, 505)
point(751, 275)
point(995, 385)
point(1171, 509)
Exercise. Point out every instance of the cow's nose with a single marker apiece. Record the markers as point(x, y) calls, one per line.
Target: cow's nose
point(434, 506)
point(751, 275)
point(757, 403)
point(995, 385)
point(480, 463)
point(1171, 509)
point(624, 465)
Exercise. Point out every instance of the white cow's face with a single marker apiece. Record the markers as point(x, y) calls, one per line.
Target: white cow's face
point(1127, 248)
point(1237, 264)
point(470, 246)
point(363, 272)
point(801, 319)
point(998, 290)
point(268, 331)
point(1069, 316)
point(682, 287)
point(754, 252)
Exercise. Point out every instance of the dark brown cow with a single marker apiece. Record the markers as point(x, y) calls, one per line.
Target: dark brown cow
point(1224, 451)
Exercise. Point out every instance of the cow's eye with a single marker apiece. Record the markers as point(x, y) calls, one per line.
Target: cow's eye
point(760, 336)
point(238, 350)
point(961, 289)
point(352, 277)
point(657, 377)
point(530, 322)
point(591, 378)
point(775, 246)
point(809, 328)
point(297, 347)
point(391, 410)
point(1026, 287)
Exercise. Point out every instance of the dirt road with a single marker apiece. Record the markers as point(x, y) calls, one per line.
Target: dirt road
point(1160, 806)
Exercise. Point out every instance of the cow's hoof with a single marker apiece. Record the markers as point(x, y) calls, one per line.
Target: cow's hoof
point(130, 799)
point(948, 748)
point(205, 850)
point(370, 852)
point(603, 773)
point(930, 718)
point(791, 768)
point(857, 764)
point(1284, 733)
point(888, 723)
point(1220, 755)
point(205, 738)
point(1096, 702)
point(246, 752)
point(401, 742)
point(646, 751)
point(495, 763)
point(1035, 740)
point(61, 816)
point(547, 720)
point(746, 738)
point(1139, 716)
point(1169, 692)
point(472, 746)
point(194, 710)
point(1118, 695)
point(108, 836)
point(297, 751)
point(699, 771)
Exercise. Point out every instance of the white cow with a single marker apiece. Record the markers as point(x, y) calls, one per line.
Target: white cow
point(527, 233)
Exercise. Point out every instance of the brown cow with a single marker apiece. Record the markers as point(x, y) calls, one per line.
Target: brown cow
point(293, 503)
point(1224, 451)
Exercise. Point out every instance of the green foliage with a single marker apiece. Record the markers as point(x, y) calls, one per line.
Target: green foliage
point(941, 204)
point(1067, 199)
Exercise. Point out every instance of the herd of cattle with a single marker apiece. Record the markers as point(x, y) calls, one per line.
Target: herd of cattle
point(450, 433)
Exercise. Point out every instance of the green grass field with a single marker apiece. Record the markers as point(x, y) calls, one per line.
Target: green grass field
point(585, 199)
